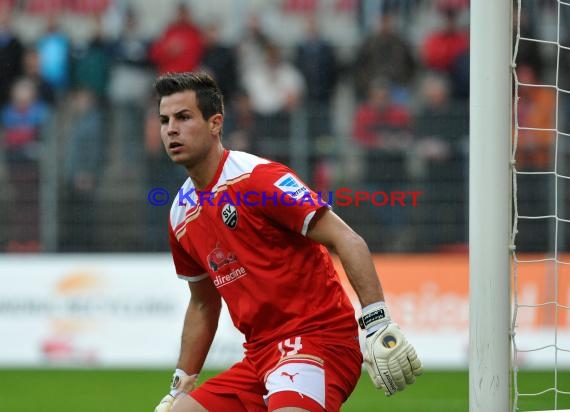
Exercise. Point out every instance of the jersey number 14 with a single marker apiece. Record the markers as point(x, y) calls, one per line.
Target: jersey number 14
point(288, 348)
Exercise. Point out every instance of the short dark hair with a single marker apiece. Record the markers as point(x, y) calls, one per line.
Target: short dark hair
point(208, 94)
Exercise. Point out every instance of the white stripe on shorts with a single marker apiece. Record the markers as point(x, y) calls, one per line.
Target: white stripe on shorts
point(304, 376)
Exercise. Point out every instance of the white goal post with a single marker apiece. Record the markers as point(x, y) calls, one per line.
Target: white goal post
point(490, 205)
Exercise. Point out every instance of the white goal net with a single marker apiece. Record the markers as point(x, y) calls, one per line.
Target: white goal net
point(541, 212)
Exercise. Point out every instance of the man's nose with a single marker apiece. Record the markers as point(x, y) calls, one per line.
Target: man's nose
point(172, 127)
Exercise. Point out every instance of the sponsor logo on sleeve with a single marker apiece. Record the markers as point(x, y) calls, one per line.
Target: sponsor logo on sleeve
point(291, 185)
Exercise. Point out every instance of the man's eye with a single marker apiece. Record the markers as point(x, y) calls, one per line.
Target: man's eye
point(163, 120)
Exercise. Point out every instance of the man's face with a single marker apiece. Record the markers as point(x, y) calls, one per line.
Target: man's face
point(186, 135)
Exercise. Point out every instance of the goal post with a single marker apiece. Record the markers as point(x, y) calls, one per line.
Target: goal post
point(490, 205)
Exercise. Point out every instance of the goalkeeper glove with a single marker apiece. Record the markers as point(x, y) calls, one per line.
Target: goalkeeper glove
point(390, 360)
point(181, 383)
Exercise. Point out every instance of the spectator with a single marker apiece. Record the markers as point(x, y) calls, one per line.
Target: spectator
point(180, 47)
point(251, 46)
point(535, 153)
point(441, 128)
point(442, 47)
point(54, 49)
point(454, 5)
point(382, 129)
point(162, 173)
point(440, 124)
point(379, 122)
point(239, 127)
point(129, 89)
point(220, 61)
point(21, 123)
point(459, 77)
point(536, 109)
point(11, 53)
point(275, 89)
point(45, 90)
point(83, 160)
point(92, 64)
point(528, 52)
point(316, 60)
point(131, 68)
point(564, 81)
point(385, 54)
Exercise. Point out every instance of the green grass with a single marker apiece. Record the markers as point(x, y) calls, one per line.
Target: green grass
point(139, 391)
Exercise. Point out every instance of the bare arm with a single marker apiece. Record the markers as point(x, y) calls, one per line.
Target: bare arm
point(199, 328)
point(390, 368)
point(200, 325)
point(331, 231)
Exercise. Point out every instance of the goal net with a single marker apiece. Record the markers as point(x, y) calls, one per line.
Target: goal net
point(541, 212)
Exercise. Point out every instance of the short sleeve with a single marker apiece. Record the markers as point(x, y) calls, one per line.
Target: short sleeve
point(284, 198)
point(186, 267)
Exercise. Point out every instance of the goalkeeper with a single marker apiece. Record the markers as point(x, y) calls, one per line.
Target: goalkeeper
point(265, 255)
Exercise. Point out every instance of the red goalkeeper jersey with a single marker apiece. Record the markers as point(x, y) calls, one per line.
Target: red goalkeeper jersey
point(246, 231)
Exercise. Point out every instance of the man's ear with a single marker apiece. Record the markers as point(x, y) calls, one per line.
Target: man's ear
point(216, 121)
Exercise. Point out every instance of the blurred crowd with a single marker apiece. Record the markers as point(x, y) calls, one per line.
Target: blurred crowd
point(80, 119)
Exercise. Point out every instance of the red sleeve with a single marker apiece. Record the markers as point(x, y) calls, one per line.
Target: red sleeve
point(186, 267)
point(284, 198)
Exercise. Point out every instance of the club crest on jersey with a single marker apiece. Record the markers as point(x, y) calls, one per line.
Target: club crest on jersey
point(229, 215)
point(290, 184)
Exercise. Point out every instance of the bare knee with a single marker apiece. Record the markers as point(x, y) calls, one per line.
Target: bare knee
point(186, 403)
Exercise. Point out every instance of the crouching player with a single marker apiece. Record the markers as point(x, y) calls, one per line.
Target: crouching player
point(265, 255)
